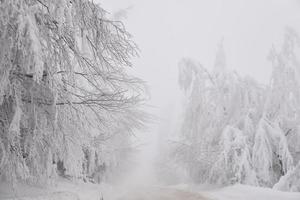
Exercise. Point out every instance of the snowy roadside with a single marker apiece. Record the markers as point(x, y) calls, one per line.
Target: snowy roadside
point(63, 190)
point(240, 192)
point(245, 192)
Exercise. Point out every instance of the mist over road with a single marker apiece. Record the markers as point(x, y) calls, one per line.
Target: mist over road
point(160, 193)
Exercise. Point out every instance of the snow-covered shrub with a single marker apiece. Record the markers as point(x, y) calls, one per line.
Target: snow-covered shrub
point(290, 181)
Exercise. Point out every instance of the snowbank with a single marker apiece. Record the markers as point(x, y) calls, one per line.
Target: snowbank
point(245, 192)
point(54, 196)
point(63, 190)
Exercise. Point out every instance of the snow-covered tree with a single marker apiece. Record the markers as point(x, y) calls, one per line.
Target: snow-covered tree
point(215, 102)
point(280, 137)
point(64, 84)
point(236, 130)
point(234, 163)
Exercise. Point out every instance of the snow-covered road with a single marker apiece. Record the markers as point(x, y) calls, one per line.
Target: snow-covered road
point(160, 193)
point(66, 190)
point(236, 192)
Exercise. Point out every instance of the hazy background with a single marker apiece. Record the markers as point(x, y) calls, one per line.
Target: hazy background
point(167, 30)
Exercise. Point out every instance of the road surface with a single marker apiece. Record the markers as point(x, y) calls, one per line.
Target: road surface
point(160, 193)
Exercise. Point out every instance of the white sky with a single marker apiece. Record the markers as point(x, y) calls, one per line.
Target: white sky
point(167, 30)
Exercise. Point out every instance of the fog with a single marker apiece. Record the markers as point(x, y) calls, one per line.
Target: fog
point(168, 30)
point(150, 99)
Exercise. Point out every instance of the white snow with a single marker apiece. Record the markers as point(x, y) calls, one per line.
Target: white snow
point(63, 190)
point(245, 192)
point(67, 190)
